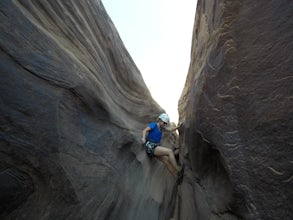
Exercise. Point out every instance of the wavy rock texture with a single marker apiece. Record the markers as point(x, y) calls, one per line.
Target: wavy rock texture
point(73, 105)
point(237, 107)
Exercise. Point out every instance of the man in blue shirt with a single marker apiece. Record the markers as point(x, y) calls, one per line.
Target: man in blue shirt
point(151, 138)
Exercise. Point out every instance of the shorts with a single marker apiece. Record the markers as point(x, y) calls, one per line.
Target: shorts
point(150, 148)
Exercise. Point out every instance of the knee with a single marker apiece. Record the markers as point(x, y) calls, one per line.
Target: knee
point(170, 152)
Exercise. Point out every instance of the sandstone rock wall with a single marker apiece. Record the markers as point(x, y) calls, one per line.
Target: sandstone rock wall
point(237, 107)
point(73, 105)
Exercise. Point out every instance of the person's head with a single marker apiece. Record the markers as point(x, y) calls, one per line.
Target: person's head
point(163, 119)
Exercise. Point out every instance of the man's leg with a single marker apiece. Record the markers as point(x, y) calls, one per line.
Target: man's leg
point(169, 166)
point(163, 151)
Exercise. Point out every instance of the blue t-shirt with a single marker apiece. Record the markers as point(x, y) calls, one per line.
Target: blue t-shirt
point(154, 134)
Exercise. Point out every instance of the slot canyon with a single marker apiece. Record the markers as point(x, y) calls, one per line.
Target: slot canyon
point(74, 104)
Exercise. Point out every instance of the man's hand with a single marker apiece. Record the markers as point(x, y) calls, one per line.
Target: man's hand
point(180, 124)
point(143, 140)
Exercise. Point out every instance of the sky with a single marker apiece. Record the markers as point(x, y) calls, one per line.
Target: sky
point(157, 35)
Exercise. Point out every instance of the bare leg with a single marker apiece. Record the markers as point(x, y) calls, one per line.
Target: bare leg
point(168, 153)
point(170, 167)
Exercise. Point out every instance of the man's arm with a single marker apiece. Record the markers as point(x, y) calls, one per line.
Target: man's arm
point(174, 128)
point(144, 133)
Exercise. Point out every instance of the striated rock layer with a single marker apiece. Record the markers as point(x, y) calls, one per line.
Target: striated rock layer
point(73, 105)
point(237, 107)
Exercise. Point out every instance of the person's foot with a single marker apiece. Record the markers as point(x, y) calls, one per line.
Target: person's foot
point(180, 174)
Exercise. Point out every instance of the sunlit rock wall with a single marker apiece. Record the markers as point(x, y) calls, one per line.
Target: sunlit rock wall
point(237, 107)
point(73, 105)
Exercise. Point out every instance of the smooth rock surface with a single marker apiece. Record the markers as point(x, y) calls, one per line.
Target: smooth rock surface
point(237, 108)
point(73, 106)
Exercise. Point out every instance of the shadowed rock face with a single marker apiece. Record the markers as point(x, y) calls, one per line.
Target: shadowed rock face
point(73, 105)
point(237, 107)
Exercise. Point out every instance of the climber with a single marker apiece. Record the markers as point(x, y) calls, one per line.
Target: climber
point(151, 138)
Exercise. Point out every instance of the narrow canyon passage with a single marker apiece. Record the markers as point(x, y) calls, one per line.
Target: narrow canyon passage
point(74, 104)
